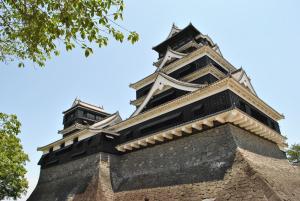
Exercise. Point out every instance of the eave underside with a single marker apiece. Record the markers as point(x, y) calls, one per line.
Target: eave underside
point(233, 116)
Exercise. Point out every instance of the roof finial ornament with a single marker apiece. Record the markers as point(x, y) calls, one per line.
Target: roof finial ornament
point(76, 101)
point(174, 26)
point(173, 31)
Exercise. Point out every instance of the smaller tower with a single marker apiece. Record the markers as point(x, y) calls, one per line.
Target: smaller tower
point(81, 115)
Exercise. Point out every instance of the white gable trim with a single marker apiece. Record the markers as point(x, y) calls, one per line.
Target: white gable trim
point(174, 30)
point(170, 54)
point(165, 80)
point(113, 119)
point(243, 79)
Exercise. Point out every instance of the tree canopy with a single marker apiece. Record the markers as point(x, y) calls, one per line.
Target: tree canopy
point(12, 159)
point(31, 29)
point(293, 153)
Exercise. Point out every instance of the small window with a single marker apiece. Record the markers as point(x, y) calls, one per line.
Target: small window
point(85, 113)
point(62, 145)
point(90, 116)
point(80, 113)
point(75, 140)
point(51, 149)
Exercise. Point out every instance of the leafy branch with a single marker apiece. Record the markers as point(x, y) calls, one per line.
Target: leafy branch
point(30, 29)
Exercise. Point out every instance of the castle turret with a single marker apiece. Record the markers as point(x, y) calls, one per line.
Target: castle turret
point(81, 115)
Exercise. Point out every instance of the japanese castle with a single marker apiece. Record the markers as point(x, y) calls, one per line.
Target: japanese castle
point(193, 90)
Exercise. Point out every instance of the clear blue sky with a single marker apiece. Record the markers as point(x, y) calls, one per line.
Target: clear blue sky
point(261, 36)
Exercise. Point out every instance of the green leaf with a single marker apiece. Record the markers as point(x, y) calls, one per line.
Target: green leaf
point(88, 52)
point(133, 37)
point(31, 31)
point(56, 52)
point(21, 65)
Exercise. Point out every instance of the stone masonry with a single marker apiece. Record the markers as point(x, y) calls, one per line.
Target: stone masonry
point(223, 163)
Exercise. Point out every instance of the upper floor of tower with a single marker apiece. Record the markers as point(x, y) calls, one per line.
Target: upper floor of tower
point(81, 114)
point(184, 41)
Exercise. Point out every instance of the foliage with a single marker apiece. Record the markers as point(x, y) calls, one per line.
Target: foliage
point(12, 159)
point(293, 153)
point(31, 29)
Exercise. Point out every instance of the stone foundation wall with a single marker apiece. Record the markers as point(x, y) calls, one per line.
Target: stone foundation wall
point(224, 163)
point(64, 182)
point(201, 157)
point(236, 185)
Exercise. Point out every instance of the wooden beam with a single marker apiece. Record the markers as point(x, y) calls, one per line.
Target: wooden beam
point(241, 120)
point(168, 136)
point(187, 130)
point(232, 116)
point(220, 119)
point(177, 133)
point(142, 143)
point(135, 145)
point(250, 127)
point(208, 123)
point(254, 130)
point(127, 147)
point(150, 140)
point(121, 149)
point(246, 123)
point(262, 132)
point(159, 138)
point(197, 126)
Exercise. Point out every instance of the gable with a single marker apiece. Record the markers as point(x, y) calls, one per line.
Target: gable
point(241, 76)
point(163, 80)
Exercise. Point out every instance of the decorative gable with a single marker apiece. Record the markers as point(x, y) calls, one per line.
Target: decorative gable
point(241, 76)
point(163, 80)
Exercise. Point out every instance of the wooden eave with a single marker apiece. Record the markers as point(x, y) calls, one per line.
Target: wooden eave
point(94, 108)
point(72, 128)
point(203, 51)
point(82, 134)
point(219, 86)
point(209, 69)
point(234, 116)
point(188, 28)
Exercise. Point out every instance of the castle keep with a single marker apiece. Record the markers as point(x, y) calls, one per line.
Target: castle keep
point(199, 132)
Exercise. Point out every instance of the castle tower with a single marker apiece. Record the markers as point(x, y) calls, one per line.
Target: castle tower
point(199, 132)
